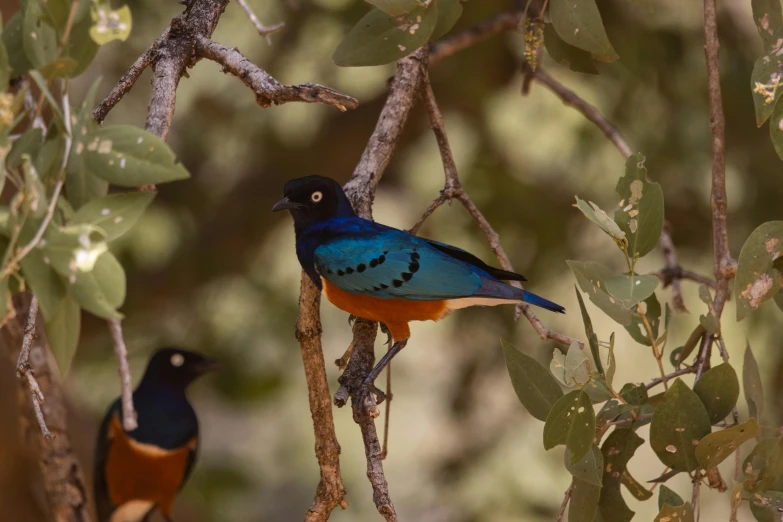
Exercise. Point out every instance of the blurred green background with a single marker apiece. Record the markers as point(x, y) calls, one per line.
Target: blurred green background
point(210, 268)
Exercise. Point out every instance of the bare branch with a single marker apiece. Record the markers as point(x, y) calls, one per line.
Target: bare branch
point(268, 90)
point(128, 80)
point(670, 376)
point(330, 492)
point(453, 190)
point(25, 371)
point(129, 419)
point(591, 113)
point(564, 505)
point(261, 28)
point(474, 35)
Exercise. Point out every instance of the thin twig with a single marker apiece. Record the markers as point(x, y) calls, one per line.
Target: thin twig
point(657, 352)
point(629, 420)
point(261, 28)
point(564, 505)
point(126, 82)
point(25, 371)
point(129, 419)
point(387, 416)
point(591, 113)
point(672, 273)
point(268, 90)
point(670, 376)
point(453, 190)
point(474, 35)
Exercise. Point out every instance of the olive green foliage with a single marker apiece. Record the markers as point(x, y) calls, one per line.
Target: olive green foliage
point(58, 228)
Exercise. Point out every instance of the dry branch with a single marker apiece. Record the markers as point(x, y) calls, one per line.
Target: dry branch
point(261, 28)
point(469, 37)
point(129, 419)
point(268, 90)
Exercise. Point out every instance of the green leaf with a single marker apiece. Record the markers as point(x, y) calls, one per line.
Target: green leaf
point(449, 13)
point(584, 501)
point(74, 249)
point(115, 214)
point(54, 12)
point(29, 143)
point(40, 39)
point(395, 7)
point(49, 160)
point(5, 299)
point(779, 300)
point(571, 422)
point(769, 21)
point(716, 447)
point(617, 449)
point(683, 513)
point(638, 491)
point(128, 156)
point(751, 383)
point(766, 85)
point(81, 47)
point(572, 57)
point(579, 24)
point(5, 69)
point(668, 496)
point(102, 290)
point(638, 330)
point(718, 390)
point(592, 338)
point(766, 506)
point(600, 218)
point(43, 281)
point(378, 38)
point(81, 185)
point(598, 391)
point(109, 24)
point(571, 369)
point(776, 128)
point(757, 279)
point(591, 278)
point(536, 388)
point(640, 214)
point(764, 465)
point(13, 41)
point(62, 331)
point(34, 202)
point(635, 394)
point(589, 468)
point(677, 425)
point(690, 345)
point(630, 290)
point(612, 365)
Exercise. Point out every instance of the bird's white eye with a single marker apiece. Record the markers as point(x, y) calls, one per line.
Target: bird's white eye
point(316, 196)
point(177, 360)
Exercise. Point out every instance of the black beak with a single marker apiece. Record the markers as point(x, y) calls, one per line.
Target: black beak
point(207, 365)
point(286, 204)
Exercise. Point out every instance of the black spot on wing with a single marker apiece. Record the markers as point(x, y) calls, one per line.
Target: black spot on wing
point(340, 273)
point(361, 268)
point(383, 286)
point(407, 276)
point(349, 270)
point(381, 259)
point(373, 263)
point(396, 283)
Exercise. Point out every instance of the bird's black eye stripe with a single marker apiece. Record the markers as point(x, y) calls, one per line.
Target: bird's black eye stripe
point(361, 268)
point(413, 267)
point(340, 273)
point(407, 276)
point(396, 283)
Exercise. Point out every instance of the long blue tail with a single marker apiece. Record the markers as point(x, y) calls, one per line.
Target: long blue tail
point(543, 303)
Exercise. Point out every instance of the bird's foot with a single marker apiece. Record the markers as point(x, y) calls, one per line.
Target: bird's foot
point(366, 403)
point(385, 329)
point(351, 319)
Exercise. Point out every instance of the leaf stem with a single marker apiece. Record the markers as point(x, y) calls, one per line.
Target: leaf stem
point(656, 351)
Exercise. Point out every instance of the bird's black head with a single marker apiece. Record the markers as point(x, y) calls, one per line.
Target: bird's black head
point(313, 199)
point(176, 368)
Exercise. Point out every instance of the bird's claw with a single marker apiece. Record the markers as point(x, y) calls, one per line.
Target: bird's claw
point(351, 319)
point(362, 399)
point(385, 329)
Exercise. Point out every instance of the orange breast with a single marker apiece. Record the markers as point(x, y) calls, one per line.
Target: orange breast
point(394, 313)
point(136, 471)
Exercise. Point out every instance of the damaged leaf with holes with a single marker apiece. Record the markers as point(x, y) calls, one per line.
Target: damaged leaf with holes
point(109, 24)
point(617, 450)
point(715, 447)
point(678, 424)
point(651, 310)
point(591, 278)
point(758, 279)
point(571, 423)
point(379, 39)
point(640, 214)
point(683, 513)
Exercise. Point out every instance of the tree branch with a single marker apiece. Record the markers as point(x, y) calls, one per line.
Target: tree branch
point(129, 418)
point(474, 35)
point(268, 90)
point(63, 480)
point(330, 492)
point(261, 28)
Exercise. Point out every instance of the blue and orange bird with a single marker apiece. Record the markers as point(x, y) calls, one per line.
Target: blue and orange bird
point(144, 469)
point(384, 274)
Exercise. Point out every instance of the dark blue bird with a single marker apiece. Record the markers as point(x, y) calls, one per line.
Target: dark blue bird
point(139, 471)
point(385, 274)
